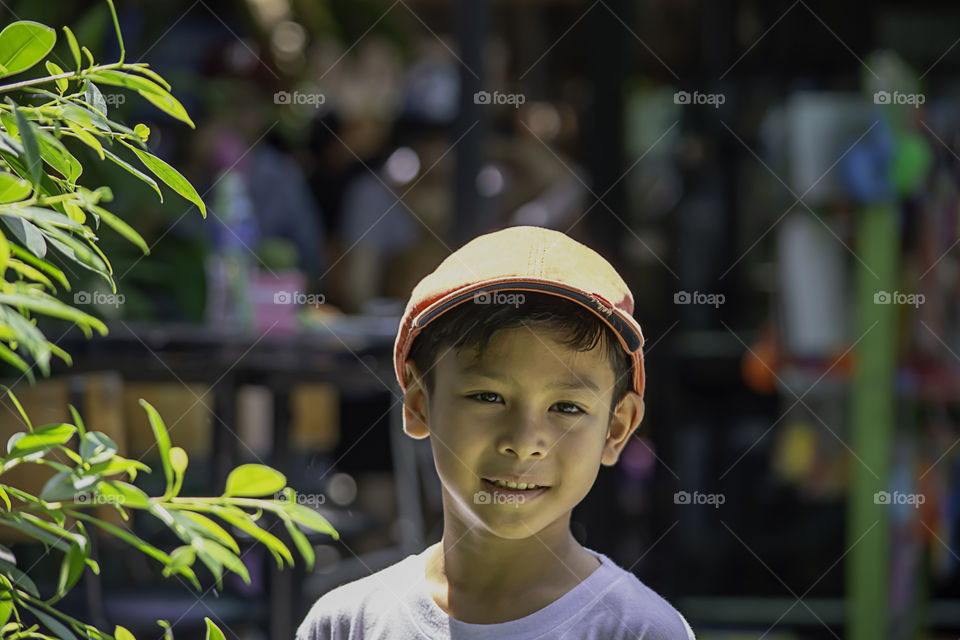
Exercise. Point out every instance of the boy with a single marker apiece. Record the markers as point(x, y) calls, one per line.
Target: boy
point(520, 359)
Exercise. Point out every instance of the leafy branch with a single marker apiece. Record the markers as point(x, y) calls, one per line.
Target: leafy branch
point(43, 207)
point(44, 212)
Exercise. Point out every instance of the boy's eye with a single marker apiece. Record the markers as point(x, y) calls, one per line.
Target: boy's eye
point(571, 409)
point(577, 410)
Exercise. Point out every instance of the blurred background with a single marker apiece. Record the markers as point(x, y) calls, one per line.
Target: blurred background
point(776, 181)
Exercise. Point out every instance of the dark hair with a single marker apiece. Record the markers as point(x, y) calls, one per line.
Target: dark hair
point(470, 325)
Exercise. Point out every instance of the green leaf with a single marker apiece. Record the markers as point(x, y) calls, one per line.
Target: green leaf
point(50, 306)
point(9, 143)
point(47, 185)
point(142, 131)
point(58, 487)
point(150, 73)
point(221, 555)
point(127, 494)
point(308, 517)
point(124, 535)
point(119, 464)
point(171, 177)
point(18, 578)
point(86, 116)
point(6, 607)
point(121, 227)
point(12, 358)
point(28, 235)
point(88, 138)
point(253, 480)
point(74, 47)
point(56, 155)
point(74, 212)
point(241, 520)
point(94, 98)
point(40, 534)
point(71, 569)
point(25, 271)
point(211, 529)
point(5, 497)
point(300, 540)
point(5, 255)
point(121, 633)
point(55, 70)
point(76, 251)
point(41, 439)
point(42, 265)
point(163, 441)
point(16, 403)
point(51, 623)
point(178, 462)
point(13, 188)
point(213, 631)
point(97, 447)
point(77, 420)
point(129, 167)
point(28, 135)
point(41, 216)
point(182, 557)
point(23, 44)
point(89, 55)
point(149, 89)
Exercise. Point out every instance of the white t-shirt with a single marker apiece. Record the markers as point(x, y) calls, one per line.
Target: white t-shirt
point(394, 604)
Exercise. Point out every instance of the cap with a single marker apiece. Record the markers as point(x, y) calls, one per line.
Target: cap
point(523, 258)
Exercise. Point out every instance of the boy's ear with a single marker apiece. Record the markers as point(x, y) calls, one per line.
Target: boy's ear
point(626, 418)
point(415, 403)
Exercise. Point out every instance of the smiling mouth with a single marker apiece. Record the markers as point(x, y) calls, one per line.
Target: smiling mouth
point(515, 486)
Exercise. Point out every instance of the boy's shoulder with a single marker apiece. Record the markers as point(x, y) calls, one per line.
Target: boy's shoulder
point(356, 608)
point(636, 608)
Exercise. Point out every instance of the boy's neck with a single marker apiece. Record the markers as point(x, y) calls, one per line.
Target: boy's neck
point(482, 578)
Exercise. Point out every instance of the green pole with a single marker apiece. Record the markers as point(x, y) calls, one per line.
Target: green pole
point(873, 410)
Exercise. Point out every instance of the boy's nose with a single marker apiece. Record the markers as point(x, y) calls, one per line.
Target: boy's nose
point(523, 438)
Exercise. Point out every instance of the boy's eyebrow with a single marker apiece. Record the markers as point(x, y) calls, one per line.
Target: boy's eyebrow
point(584, 382)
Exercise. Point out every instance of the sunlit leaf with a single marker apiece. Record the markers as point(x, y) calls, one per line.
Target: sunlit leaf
point(13, 188)
point(23, 44)
point(55, 70)
point(74, 47)
point(254, 480)
point(213, 631)
point(171, 177)
point(147, 88)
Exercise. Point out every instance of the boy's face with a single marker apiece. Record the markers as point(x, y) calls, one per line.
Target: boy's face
point(529, 406)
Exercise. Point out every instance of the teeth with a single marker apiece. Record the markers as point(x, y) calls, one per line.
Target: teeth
point(513, 485)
